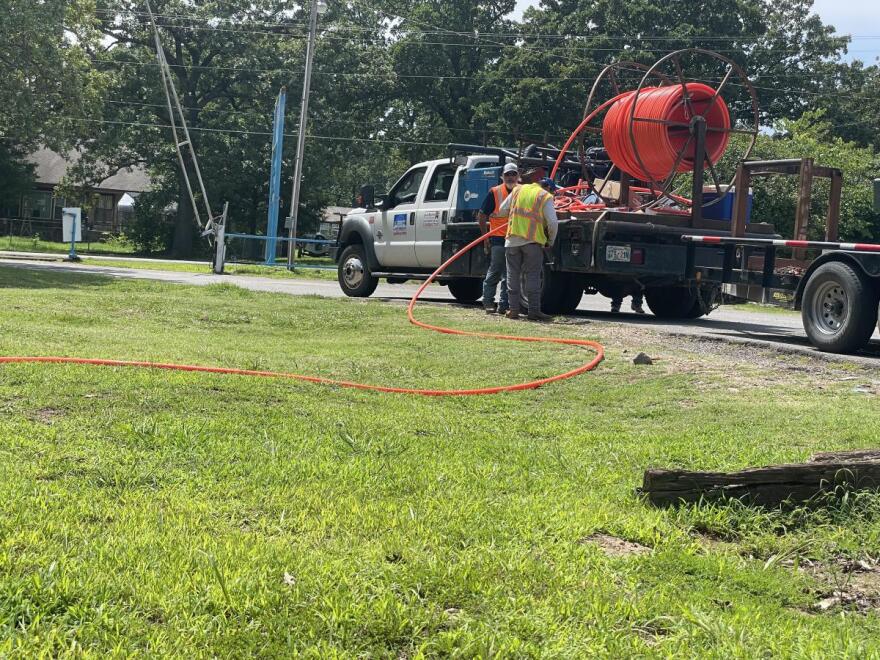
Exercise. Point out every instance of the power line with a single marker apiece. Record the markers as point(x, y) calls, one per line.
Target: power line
point(232, 131)
point(478, 35)
point(486, 75)
point(344, 122)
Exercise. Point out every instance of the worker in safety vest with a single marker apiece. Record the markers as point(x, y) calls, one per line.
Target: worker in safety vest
point(532, 226)
point(494, 245)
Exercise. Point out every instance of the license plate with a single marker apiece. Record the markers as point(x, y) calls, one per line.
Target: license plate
point(617, 253)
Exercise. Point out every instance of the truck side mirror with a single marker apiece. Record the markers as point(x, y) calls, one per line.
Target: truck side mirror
point(876, 195)
point(367, 196)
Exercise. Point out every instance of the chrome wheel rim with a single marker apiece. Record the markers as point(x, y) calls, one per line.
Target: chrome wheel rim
point(353, 272)
point(830, 308)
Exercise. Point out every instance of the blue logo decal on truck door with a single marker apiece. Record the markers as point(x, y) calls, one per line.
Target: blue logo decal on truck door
point(399, 226)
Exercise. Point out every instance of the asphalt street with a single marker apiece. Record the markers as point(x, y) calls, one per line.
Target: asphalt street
point(782, 331)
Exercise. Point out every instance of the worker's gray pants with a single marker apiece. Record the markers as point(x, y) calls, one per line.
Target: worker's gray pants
point(525, 263)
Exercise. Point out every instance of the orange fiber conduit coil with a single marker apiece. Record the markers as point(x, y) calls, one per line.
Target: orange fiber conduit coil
point(658, 144)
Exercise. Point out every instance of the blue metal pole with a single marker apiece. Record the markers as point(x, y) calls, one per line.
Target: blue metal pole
point(275, 177)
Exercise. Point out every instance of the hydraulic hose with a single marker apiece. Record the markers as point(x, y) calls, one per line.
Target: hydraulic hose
point(529, 385)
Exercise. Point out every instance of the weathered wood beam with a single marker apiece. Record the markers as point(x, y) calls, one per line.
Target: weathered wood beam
point(770, 485)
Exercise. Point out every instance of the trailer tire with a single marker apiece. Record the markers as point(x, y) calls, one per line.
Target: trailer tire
point(839, 308)
point(353, 273)
point(704, 302)
point(672, 302)
point(466, 289)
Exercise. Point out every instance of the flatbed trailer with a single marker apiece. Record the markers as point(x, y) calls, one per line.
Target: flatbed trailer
point(684, 263)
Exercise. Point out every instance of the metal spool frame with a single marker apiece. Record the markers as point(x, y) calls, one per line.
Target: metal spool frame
point(696, 127)
point(610, 72)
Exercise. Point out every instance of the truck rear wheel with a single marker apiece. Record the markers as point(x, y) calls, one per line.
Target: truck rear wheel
point(561, 292)
point(466, 289)
point(353, 273)
point(672, 302)
point(839, 308)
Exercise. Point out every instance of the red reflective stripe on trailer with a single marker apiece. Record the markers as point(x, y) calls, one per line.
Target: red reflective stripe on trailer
point(708, 239)
point(801, 244)
point(868, 247)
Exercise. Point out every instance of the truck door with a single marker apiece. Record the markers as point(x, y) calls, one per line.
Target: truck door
point(433, 214)
point(398, 229)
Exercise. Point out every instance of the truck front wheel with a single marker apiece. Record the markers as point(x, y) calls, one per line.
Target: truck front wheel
point(839, 308)
point(354, 275)
point(466, 289)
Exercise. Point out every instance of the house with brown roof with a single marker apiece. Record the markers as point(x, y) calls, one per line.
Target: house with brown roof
point(39, 211)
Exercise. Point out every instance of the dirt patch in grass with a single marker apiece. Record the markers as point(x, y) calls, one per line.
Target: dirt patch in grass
point(46, 415)
point(846, 584)
point(616, 547)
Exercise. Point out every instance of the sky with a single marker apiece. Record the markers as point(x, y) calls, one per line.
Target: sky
point(859, 18)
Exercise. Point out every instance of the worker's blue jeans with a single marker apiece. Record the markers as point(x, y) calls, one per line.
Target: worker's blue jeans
point(496, 274)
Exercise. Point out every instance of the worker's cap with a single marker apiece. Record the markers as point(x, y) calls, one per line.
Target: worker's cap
point(510, 167)
point(549, 183)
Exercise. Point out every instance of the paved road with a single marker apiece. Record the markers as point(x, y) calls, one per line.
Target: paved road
point(782, 331)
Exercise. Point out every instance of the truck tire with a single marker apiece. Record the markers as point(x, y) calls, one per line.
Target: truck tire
point(561, 293)
point(466, 289)
point(839, 308)
point(353, 273)
point(672, 302)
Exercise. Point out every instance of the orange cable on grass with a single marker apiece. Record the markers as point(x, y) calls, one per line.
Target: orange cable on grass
point(588, 366)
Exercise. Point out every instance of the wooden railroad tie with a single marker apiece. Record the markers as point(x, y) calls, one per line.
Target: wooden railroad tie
point(825, 472)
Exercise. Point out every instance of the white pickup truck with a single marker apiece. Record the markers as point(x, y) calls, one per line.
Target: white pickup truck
point(399, 236)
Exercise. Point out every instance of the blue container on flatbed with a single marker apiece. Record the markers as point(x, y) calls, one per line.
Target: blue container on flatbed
point(723, 210)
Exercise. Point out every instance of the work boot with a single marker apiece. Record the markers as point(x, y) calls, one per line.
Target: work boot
point(490, 308)
point(502, 310)
point(512, 314)
point(638, 309)
point(540, 316)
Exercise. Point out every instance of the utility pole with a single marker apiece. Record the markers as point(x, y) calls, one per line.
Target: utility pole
point(317, 6)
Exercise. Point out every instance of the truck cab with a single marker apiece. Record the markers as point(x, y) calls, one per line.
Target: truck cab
point(399, 236)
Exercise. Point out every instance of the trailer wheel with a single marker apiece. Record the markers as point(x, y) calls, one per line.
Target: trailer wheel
point(672, 302)
point(353, 273)
point(704, 302)
point(839, 308)
point(466, 289)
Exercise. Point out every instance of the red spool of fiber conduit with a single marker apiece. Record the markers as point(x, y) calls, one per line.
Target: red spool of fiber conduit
point(659, 144)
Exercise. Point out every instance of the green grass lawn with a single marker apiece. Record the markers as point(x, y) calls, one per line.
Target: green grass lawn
point(278, 272)
point(164, 513)
point(34, 244)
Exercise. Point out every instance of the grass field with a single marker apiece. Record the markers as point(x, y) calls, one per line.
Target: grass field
point(34, 244)
point(166, 513)
point(278, 272)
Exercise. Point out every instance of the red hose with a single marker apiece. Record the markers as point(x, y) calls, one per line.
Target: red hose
point(588, 366)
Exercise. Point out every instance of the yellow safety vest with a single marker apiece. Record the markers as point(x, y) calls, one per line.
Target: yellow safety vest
point(527, 214)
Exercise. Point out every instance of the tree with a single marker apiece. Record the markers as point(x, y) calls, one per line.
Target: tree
point(49, 86)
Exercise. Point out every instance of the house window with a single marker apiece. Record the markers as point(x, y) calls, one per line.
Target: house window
point(59, 207)
point(38, 205)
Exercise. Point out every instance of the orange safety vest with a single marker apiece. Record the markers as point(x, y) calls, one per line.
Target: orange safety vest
point(496, 220)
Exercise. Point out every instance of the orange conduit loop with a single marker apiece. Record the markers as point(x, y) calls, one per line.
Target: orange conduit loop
point(658, 144)
point(529, 385)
